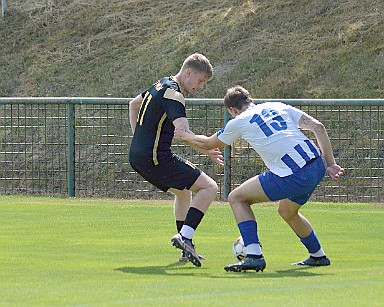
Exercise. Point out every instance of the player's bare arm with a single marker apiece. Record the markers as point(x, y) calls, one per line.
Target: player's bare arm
point(182, 133)
point(185, 135)
point(134, 108)
point(310, 123)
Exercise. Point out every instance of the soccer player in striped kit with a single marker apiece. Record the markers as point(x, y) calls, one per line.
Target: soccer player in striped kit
point(295, 166)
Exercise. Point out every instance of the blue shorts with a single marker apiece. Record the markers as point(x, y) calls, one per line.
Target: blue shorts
point(297, 187)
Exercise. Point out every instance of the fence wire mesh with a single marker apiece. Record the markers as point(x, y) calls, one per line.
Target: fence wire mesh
point(34, 149)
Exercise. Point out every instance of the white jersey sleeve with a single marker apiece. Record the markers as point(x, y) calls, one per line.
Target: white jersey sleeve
point(295, 113)
point(232, 133)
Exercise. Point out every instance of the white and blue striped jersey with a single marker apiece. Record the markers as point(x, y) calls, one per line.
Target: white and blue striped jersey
point(271, 128)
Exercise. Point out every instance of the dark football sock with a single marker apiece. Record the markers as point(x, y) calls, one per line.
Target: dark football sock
point(179, 225)
point(193, 218)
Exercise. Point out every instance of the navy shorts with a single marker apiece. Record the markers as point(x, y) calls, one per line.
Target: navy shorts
point(297, 187)
point(177, 173)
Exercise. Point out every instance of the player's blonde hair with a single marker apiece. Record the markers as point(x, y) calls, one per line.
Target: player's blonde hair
point(199, 63)
point(237, 97)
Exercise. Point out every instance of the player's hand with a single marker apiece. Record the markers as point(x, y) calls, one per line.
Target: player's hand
point(179, 133)
point(334, 171)
point(216, 156)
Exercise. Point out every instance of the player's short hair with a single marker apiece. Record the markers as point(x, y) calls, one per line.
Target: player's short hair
point(237, 97)
point(199, 63)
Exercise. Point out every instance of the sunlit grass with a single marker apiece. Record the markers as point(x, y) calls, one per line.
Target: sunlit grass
point(118, 252)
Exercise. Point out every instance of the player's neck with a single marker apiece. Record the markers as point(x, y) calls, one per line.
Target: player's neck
point(178, 78)
point(244, 108)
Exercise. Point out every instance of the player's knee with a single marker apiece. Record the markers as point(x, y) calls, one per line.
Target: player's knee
point(286, 213)
point(234, 198)
point(231, 198)
point(210, 186)
point(213, 187)
point(282, 212)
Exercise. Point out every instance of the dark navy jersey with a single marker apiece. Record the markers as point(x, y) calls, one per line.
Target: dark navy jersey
point(162, 103)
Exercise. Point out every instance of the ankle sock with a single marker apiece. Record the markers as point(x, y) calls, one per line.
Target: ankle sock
point(319, 254)
point(187, 232)
point(254, 249)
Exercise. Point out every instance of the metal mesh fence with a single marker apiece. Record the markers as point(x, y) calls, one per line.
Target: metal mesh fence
point(33, 149)
point(35, 146)
point(356, 134)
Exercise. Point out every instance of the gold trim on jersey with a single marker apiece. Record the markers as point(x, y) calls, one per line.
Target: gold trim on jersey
point(190, 164)
point(145, 107)
point(174, 95)
point(154, 157)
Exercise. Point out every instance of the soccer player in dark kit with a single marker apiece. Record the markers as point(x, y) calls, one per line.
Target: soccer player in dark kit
point(154, 115)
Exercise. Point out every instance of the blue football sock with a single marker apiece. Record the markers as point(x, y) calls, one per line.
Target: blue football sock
point(311, 243)
point(248, 230)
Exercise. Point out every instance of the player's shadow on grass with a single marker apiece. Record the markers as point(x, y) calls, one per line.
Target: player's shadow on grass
point(178, 269)
point(171, 269)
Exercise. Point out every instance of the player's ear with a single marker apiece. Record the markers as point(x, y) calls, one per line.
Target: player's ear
point(233, 111)
point(188, 72)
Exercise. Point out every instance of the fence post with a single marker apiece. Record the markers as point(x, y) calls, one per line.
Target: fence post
point(227, 162)
point(3, 7)
point(71, 149)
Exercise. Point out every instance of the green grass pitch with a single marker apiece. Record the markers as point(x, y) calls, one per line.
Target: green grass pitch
point(108, 252)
